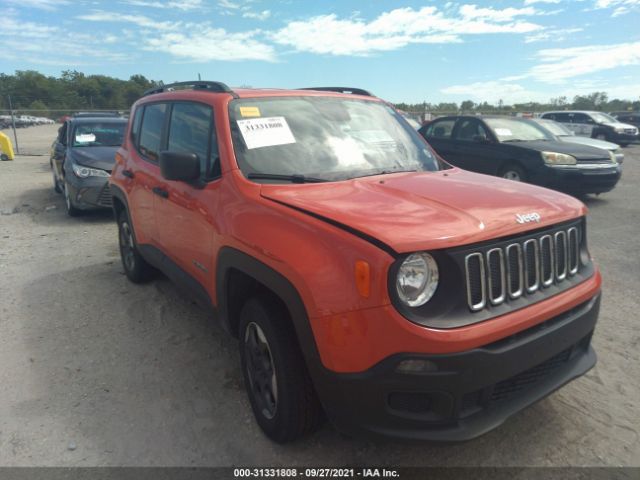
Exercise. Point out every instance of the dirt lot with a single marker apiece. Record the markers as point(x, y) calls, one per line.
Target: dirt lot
point(98, 371)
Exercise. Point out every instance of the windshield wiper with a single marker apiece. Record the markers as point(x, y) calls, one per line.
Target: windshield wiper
point(387, 172)
point(296, 178)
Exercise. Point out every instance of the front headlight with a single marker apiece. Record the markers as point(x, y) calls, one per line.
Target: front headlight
point(417, 279)
point(619, 129)
point(553, 158)
point(84, 172)
point(612, 156)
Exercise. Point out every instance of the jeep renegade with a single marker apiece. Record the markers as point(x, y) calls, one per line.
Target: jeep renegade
point(364, 277)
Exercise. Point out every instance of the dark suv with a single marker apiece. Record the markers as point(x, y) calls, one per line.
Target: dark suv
point(362, 276)
point(595, 125)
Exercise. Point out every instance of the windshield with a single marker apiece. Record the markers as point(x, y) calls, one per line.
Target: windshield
point(98, 134)
point(511, 130)
point(556, 128)
point(603, 118)
point(324, 138)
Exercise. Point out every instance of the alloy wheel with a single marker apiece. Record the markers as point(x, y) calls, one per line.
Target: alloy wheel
point(512, 175)
point(127, 246)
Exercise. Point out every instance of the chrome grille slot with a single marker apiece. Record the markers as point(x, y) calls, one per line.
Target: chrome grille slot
point(514, 270)
point(561, 255)
point(531, 265)
point(496, 275)
point(546, 260)
point(476, 287)
point(573, 254)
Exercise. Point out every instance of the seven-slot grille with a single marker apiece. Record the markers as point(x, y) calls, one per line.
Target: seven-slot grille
point(521, 267)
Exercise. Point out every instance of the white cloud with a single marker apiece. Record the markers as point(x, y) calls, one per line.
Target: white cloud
point(531, 2)
point(204, 43)
point(329, 34)
point(263, 15)
point(140, 20)
point(183, 5)
point(551, 34)
point(559, 64)
point(620, 7)
point(41, 4)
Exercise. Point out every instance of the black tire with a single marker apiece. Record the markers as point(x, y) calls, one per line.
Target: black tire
point(72, 211)
point(135, 267)
point(4, 157)
point(270, 355)
point(514, 172)
point(56, 184)
point(624, 144)
point(602, 136)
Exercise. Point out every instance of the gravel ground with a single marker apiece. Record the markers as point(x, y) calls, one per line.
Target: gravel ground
point(98, 371)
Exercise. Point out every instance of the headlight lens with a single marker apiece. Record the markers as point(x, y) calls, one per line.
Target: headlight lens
point(619, 129)
point(84, 172)
point(554, 158)
point(417, 279)
point(612, 155)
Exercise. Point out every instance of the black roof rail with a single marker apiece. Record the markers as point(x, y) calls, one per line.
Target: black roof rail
point(354, 91)
point(217, 87)
point(100, 113)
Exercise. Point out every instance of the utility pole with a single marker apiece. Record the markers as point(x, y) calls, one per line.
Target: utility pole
point(13, 124)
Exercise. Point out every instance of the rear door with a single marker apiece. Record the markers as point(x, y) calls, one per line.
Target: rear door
point(185, 214)
point(581, 124)
point(438, 134)
point(473, 147)
point(143, 170)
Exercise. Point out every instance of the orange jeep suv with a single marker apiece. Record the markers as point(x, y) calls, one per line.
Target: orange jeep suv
point(363, 277)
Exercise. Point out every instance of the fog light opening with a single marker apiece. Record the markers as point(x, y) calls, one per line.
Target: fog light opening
point(416, 366)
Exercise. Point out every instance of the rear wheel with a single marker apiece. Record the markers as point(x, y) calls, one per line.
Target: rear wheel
point(136, 268)
point(514, 172)
point(56, 184)
point(279, 387)
point(4, 157)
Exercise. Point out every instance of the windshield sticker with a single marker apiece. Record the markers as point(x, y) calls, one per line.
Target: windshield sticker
point(503, 132)
point(250, 111)
point(85, 138)
point(265, 132)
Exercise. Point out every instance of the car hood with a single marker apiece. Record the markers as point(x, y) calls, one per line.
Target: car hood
point(95, 157)
point(581, 152)
point(619, 125)
point(428, 210)
point(592, 142)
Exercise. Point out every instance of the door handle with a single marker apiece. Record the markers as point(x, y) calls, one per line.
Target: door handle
point(127, 173)
point(161, 192)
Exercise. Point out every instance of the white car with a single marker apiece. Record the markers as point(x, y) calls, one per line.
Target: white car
point(565, 135)
point(595, 125)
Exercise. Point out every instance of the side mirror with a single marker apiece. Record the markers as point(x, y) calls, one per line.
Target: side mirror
point(182, 167)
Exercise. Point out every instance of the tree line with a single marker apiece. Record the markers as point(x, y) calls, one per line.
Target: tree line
point(594, 101)
point(49, 96)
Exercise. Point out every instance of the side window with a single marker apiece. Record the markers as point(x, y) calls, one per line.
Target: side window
point(151, 130)
point(192, 130)
point(581, 118)
point(62, 134)
point(440, 129)
point(560, 117)
point(470, 130)
point(135, 127)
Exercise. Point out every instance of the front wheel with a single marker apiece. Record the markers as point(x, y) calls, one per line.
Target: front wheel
point(280, 390)
point(601, 136)
point(514, 172)
point(72, 211)
point(56, 184)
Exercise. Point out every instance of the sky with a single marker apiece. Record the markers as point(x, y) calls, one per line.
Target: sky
point(402, 50)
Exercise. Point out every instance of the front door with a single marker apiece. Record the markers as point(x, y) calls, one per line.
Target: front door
point(185, 213)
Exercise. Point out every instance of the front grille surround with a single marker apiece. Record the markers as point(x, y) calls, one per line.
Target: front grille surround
point(522, 268)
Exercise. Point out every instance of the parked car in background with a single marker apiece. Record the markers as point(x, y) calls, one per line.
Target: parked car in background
point(563, 134)
point(518, 149)
point(82, 157)
point(595, 125)
point(360, 274)
point(632, 118)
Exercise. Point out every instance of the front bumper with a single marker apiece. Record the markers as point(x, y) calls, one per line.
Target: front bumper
point(624, 138)
point(468, 393)
point(580, 179)
point(89, 193)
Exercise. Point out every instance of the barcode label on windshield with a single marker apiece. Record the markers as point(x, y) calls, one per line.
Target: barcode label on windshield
point(265, 132)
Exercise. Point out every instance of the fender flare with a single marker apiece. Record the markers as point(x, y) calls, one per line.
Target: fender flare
point(230, 258)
